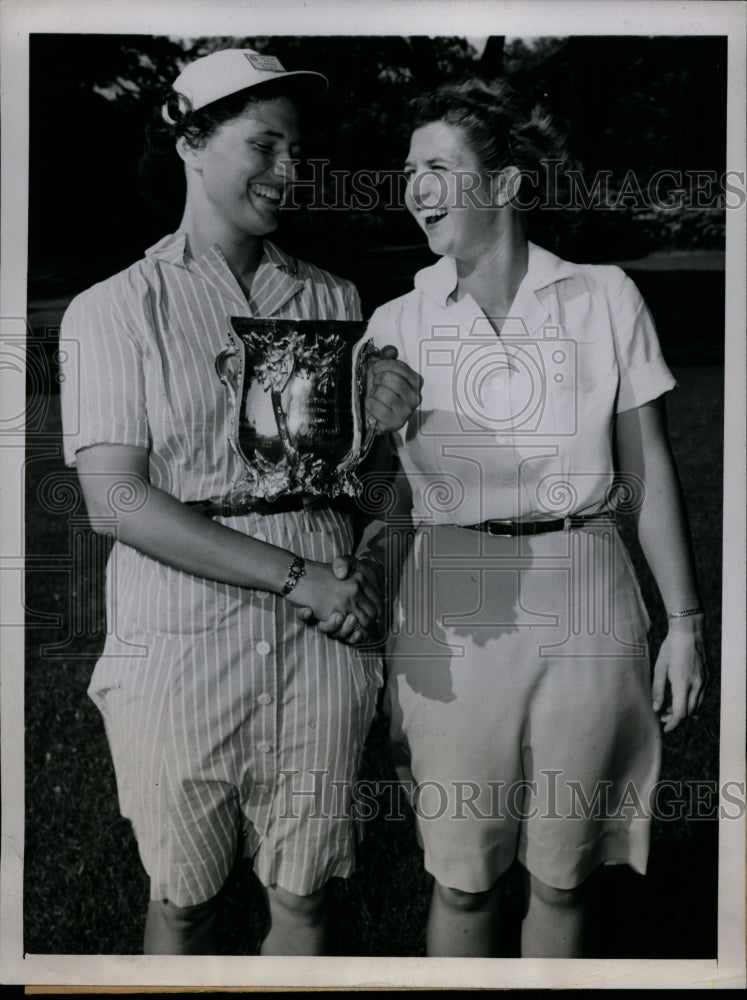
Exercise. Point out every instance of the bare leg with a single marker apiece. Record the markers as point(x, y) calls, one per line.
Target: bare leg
point(463, 924)
point(180, 930)
point(298, 924)
point(554, 922)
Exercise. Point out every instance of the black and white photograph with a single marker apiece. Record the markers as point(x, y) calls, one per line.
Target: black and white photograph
point(373, 519)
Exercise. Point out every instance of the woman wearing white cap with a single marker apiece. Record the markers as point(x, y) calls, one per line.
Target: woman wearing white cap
point(229, 719)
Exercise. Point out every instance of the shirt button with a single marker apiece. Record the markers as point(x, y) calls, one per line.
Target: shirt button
point(262, 593)
point(263, 648)
point(264, 699)
point(261, 536)
point(263, 747)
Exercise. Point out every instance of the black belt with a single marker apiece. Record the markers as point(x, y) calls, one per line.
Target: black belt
point(217, 508)
point(509, 528)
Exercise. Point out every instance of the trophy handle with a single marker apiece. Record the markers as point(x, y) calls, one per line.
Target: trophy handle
point(364, 438)
point(227, 373)
point(372, 429)
point(229, 367)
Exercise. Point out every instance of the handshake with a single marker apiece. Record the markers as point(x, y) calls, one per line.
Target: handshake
point(345, 599)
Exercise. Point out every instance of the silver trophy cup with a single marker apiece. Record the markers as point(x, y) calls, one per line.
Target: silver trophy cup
point(296, 388)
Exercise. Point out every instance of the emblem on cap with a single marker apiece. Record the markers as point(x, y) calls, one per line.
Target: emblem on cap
point(267, 64)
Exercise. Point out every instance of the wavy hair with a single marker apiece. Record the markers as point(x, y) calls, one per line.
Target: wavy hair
point(502, 130)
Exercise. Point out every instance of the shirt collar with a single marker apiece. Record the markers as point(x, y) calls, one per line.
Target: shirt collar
point(276, 281)
point(173, 249)
point(280, 259)
point(543, 268)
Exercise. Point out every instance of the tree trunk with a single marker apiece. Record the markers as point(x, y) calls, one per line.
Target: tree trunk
point(491, 60)
point(423, 62)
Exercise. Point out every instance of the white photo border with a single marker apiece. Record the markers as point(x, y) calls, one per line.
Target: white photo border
point(435, 17)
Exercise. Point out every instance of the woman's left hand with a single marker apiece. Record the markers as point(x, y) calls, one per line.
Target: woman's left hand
point(392, 392)
point(684, 663)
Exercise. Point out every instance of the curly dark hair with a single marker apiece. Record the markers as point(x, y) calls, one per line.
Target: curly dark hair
point(161, 170)
point(502, 130)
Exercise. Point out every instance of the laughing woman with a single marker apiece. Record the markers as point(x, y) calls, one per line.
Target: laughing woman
point(211, 686)
point(519, 685)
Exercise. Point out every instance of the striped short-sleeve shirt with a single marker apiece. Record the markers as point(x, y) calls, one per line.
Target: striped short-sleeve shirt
point(146, 341)
point(229, 720)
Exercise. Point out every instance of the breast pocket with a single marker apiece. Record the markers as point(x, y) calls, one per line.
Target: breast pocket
point(596, 364)
point(580, 377)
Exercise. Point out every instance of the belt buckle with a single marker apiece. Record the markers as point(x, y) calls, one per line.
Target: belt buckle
point(500, 528)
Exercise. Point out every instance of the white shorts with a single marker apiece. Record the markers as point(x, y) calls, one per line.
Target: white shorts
point(519, 698)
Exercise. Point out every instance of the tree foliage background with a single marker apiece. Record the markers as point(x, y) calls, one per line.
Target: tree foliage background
point(640, 104)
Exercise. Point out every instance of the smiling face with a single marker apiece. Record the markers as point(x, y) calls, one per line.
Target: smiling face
point(238, 178)
point(449, 194)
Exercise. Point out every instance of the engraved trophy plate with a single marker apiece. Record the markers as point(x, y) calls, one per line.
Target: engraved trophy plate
point(295, 388)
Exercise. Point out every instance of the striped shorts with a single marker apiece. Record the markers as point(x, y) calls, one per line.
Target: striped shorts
point(232, 725)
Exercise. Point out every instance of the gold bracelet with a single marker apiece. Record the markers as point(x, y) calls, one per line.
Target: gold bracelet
point(686, 614)
point(295, 571)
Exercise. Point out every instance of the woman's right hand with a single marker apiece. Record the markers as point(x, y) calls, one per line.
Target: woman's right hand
point(345, 606)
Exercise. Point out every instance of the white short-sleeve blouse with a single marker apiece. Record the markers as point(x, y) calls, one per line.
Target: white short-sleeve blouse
point(520, 424)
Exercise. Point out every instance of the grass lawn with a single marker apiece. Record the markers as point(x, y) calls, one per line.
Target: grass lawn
point(85, 892)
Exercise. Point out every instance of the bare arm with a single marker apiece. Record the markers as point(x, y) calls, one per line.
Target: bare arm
point(162, 527)
point(661, 520)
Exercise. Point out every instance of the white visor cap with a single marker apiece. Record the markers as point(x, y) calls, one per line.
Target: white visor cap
point(228, 71)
